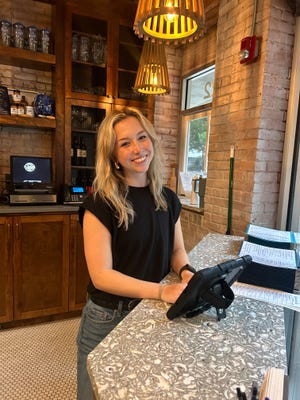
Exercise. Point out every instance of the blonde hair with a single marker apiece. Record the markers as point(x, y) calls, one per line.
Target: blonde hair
point(109, 182)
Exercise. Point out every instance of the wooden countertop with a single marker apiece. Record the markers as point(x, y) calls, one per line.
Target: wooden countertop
point(55, 208)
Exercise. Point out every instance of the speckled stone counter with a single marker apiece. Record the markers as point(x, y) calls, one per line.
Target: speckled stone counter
point(149, 357)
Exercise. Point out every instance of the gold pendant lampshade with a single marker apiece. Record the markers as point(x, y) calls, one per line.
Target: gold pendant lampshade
point(171, 21)
point(152, 76)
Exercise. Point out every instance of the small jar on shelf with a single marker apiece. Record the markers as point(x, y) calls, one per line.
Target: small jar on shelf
point(32, 38)
point(5, 33)
point(45, 41)
point(19, 35)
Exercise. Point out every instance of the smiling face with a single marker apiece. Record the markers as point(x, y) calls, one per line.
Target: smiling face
point(133, 150)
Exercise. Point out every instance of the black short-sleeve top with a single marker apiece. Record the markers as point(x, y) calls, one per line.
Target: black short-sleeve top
point(144, 250)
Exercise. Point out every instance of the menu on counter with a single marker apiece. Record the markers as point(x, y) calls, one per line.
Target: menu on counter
point(270, 256)
point(276, 268)
point(272, 237)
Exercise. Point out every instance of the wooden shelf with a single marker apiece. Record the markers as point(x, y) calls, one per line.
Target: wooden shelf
point(52, 2)
point(91, 97)
point(90, 64)
point(36, 122)
point(26, 58)
point(86, 167)
point(84, 130)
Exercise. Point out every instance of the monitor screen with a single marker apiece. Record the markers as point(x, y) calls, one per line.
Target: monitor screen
point(26, 170)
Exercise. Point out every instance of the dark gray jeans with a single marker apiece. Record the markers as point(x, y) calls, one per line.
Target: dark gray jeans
point(96, 323)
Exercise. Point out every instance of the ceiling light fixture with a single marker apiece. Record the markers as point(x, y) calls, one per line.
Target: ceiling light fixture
point(152, 76)
point(172, 21)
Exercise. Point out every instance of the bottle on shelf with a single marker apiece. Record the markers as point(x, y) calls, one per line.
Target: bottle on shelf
point(15, 105)
point(22, 106)
point(21, 109)
point(89, 184)
point(14, 108)
point(75, 152)
point(16, 96)
point(79, 153)
point(83, 152)
point(81, 179)
point(29, 110)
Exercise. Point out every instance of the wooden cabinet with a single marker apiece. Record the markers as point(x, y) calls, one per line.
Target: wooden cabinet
point(36, 256)
point(101, 60)
point(79, 276)
point(40, 265)
point(6, 270)
point(102, 53)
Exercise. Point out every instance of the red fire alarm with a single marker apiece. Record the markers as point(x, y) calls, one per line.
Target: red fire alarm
point(249, 49)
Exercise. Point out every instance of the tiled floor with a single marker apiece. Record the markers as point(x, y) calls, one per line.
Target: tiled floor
point(39, 362)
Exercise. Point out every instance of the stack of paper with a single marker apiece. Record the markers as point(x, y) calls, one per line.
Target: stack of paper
point(272, 237)
point(275, 259)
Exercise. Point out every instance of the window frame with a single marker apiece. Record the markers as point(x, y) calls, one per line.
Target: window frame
point(187, 115)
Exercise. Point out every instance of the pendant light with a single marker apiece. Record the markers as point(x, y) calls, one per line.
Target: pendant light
point(152, 76)
point(172, 21)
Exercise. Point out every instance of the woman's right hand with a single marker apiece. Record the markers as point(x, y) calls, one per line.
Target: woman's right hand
point(170, 293)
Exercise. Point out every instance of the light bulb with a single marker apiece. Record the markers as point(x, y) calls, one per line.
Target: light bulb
point(172, 16)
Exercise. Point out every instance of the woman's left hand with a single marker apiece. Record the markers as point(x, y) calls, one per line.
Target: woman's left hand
point(170, 293)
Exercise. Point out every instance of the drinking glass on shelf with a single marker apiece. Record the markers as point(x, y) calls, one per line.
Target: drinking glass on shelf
point(97, 50)
point(75, 44)
point(84, 48)
point(76, 117)
point(5, 33)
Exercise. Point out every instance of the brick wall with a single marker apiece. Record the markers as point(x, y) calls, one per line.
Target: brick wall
point(166, 118)
point(249, 105)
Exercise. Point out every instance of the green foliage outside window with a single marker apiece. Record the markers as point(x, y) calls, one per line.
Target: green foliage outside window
point(197, 137)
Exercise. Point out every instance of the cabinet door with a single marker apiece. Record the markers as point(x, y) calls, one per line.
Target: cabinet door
point(79, 276)
point(6, 301)
point(41, 265)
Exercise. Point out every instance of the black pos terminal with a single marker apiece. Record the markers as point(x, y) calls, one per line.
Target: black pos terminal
point(209, 287)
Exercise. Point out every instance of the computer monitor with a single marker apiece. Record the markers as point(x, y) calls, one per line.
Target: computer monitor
point(31, 171)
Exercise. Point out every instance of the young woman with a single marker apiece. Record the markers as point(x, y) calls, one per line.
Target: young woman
point(132, 232)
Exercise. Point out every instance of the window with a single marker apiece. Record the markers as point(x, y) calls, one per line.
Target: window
point(197, 89)
point(197, 92)
point(197, 133)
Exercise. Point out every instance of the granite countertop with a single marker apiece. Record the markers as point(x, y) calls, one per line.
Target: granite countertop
point(150, 357)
